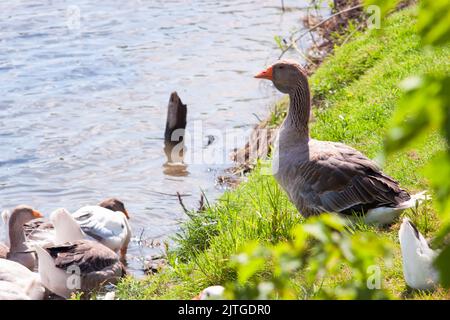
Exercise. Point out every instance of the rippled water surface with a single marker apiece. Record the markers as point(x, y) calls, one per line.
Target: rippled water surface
point(83, 103)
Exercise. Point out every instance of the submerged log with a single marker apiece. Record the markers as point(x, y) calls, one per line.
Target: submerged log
point(175, 129)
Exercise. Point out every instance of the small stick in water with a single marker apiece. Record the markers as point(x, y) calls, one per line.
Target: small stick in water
point(175, 129)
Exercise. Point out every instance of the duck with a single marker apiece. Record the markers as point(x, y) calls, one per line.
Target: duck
point(78, 266)
point(18, 250)
point(417, 258)
point(17, 282)
point(211, 293)
point(324, 176)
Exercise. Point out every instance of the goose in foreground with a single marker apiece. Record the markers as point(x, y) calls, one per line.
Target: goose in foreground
point(19, 283)
point(19, 251)
point(82, 265)
point(323, 176)
point(417, 257)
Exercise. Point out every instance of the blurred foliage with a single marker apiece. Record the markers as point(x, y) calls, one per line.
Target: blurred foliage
point(321, 248)
point(434, 21)
point(384, 5)
point(425, 108)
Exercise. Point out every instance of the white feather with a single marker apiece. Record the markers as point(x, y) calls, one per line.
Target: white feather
point(108, 227)
point(418, 258)
point(212, 293)
point(19, 283)
point(386, 215)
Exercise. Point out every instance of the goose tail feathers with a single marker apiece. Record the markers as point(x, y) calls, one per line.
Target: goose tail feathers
point(415, 200)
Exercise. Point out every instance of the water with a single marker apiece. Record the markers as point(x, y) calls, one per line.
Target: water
point(83, 102)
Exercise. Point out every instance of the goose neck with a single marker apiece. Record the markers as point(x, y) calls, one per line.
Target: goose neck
point(16, 234)
point(300, 109)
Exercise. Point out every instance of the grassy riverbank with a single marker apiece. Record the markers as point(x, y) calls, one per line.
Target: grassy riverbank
point(355, 92)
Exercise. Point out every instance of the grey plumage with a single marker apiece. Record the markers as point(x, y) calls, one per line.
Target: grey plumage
point(323, 176)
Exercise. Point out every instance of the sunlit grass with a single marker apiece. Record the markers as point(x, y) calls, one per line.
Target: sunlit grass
point(356, 92)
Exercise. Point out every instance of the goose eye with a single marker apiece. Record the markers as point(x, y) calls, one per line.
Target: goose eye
point(123, 227)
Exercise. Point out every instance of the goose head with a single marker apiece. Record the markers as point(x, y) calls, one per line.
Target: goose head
point(66, 228)
point(114, 204)
point(21, 215)
point(286, 75)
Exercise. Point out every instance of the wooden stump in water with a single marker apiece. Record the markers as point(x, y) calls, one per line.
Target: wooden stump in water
point(175, 129)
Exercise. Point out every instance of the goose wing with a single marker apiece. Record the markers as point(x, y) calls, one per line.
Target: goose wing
point(103, 225)
point(89, 256)
point(341, 179)
point(39, 231)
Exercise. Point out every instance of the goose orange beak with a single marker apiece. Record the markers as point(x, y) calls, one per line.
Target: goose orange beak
point(266, 74)
point(37, 214)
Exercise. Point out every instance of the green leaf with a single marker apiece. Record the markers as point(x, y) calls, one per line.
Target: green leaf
point(384, 5)
point(442, 262)
point(423, 108)
point(433, 21)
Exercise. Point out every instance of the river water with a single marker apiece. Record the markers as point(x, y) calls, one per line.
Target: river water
point(84, 91)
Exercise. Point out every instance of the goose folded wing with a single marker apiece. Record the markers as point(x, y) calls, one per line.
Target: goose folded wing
point(89, 256)
point(100, 225)
point(37, 225)
point(101, 230)
point(346, 182)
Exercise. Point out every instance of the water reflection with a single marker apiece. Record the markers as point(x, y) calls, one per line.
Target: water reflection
point(82, 109)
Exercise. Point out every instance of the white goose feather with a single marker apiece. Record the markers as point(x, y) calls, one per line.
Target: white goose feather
point(109, 228)
point(418, 258)
point(18, 282)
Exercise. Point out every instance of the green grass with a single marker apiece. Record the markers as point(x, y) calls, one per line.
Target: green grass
point(355, 92)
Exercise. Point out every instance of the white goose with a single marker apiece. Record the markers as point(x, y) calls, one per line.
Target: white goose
point(211, 293)
point(418, 258)
point(19, 283)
